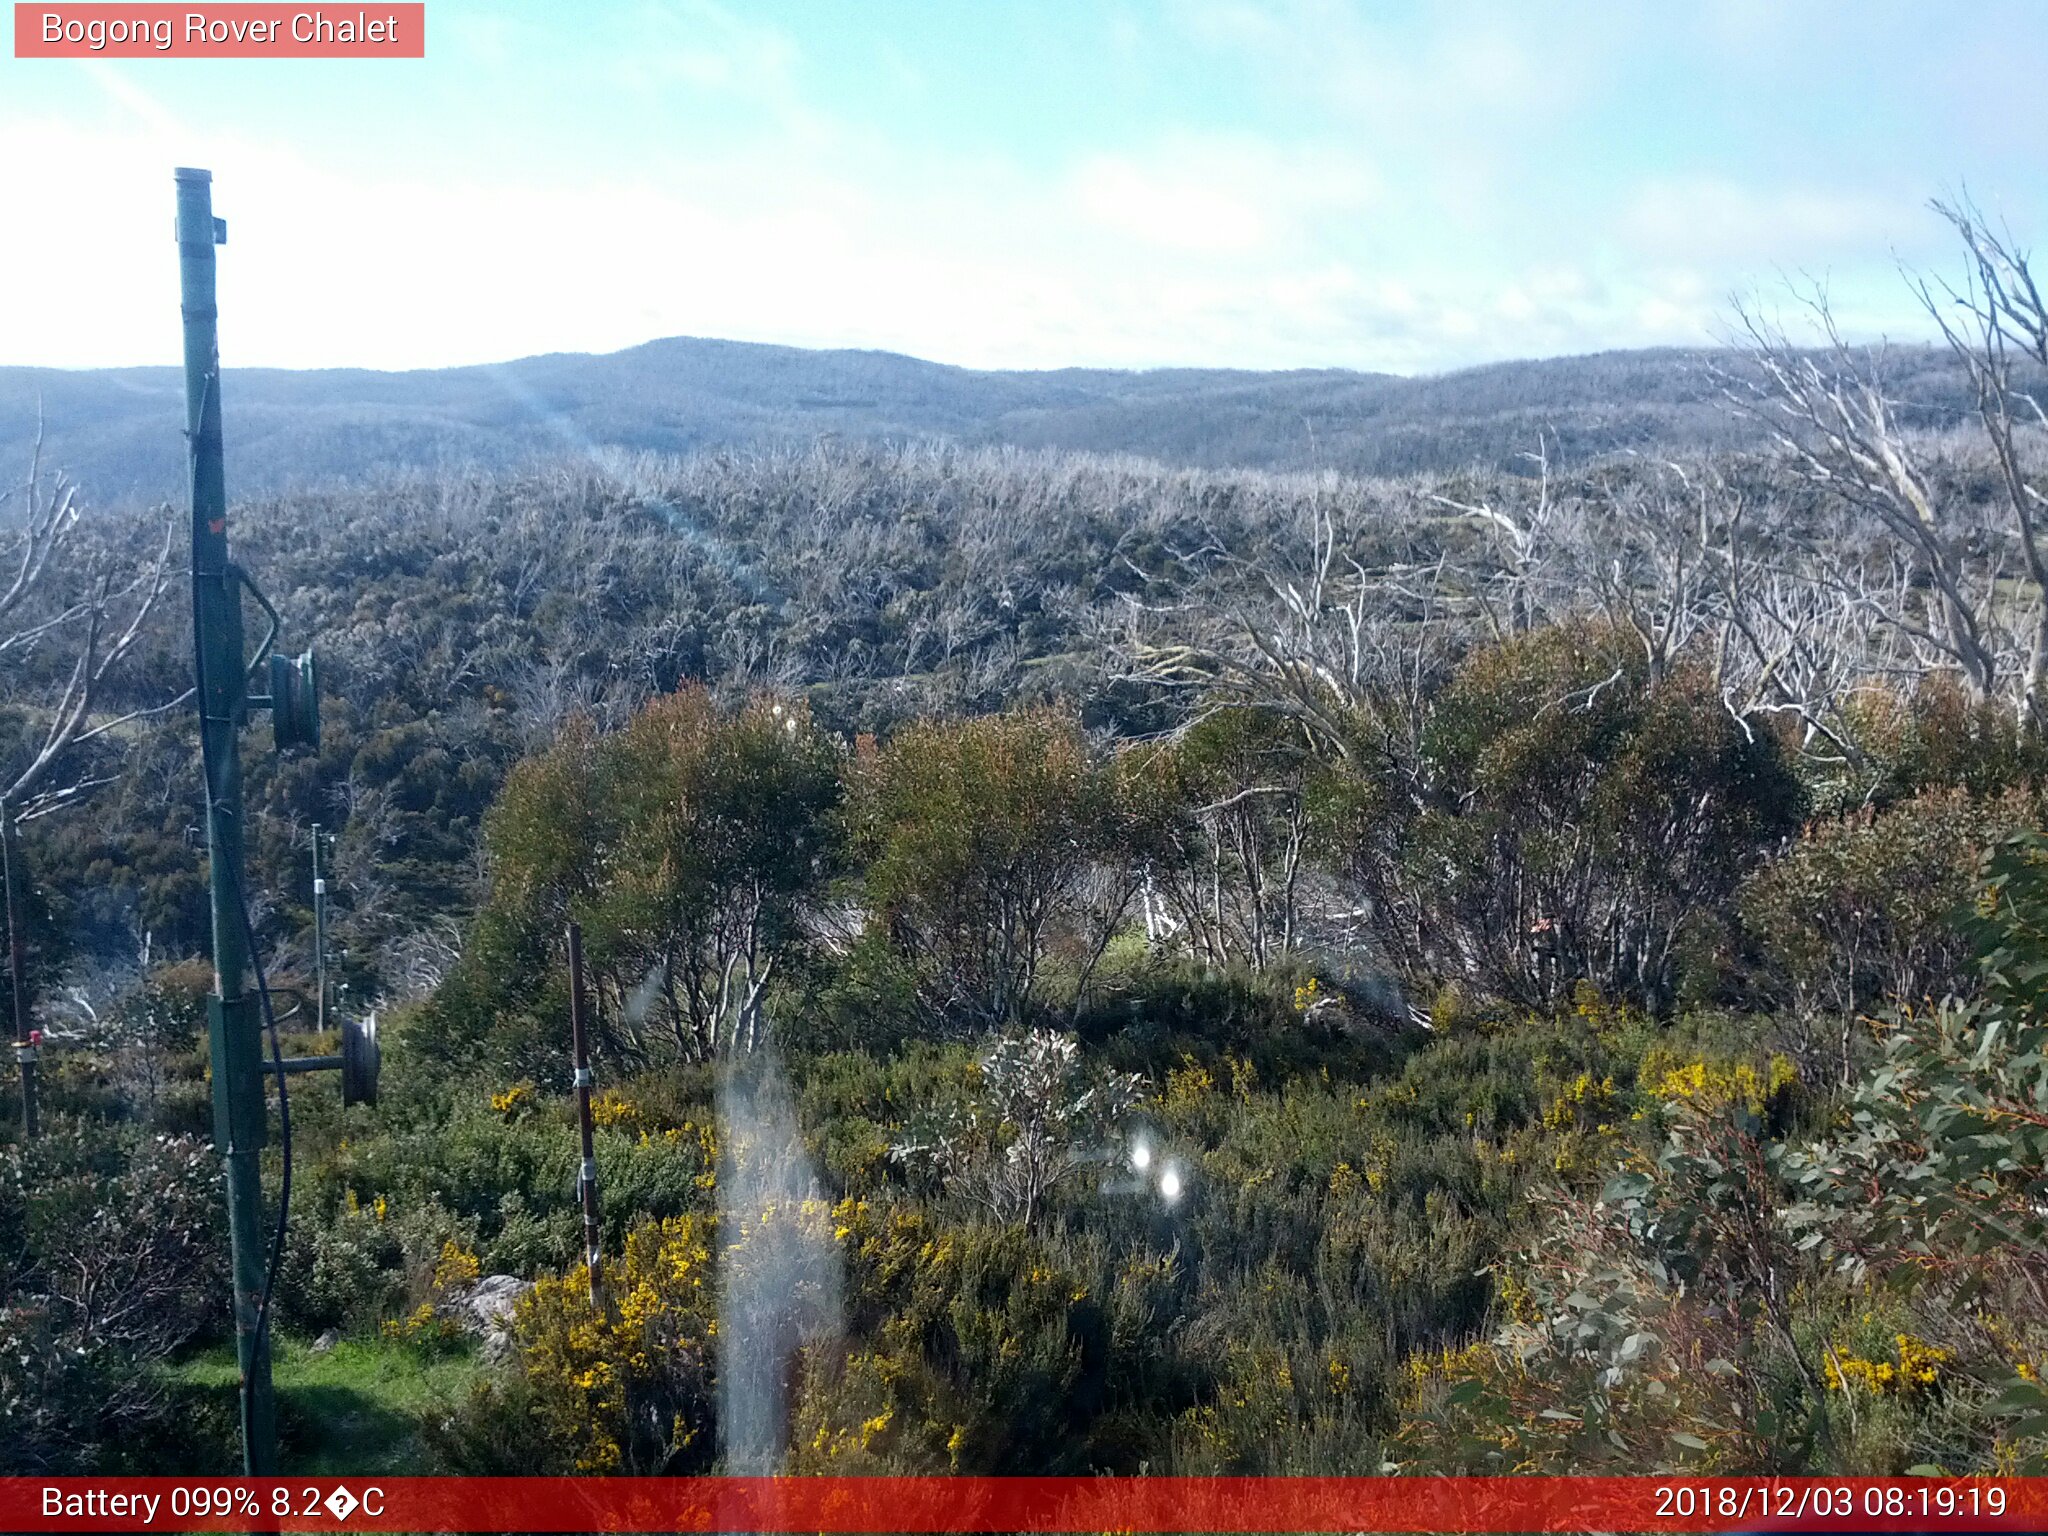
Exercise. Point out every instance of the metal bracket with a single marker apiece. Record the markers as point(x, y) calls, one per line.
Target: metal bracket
point(238, 1114)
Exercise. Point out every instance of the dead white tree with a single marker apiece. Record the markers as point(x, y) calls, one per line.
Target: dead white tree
point(1326, 640)
point(76, 595)
point(1996, 324)
point(1843, 433)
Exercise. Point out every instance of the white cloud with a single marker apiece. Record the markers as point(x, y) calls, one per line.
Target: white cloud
point(1210, 194)
point(1715, 218)
point(992, 272)
point(1453, 68)
point(1400, 234)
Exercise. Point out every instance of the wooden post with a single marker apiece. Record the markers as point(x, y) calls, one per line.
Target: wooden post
point(579, 1044)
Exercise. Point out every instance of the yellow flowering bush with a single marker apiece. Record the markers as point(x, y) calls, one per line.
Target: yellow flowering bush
point(1188, 1084)
point(519, 1096)
point(424, 1324)
point(1917, 1366)
point(1583, 1104)
point(1708, 1085)
point(612, 1108)
point(456, 1267)
point(628, 1389)
point(981, 1348)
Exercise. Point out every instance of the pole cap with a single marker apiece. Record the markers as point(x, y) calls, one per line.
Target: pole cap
point(188, 173)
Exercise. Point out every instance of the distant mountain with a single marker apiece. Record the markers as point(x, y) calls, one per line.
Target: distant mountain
point(118, 431)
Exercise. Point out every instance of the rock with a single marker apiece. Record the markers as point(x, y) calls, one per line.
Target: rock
point(485, 1309)
point(487, 1305)
point(325, 1342)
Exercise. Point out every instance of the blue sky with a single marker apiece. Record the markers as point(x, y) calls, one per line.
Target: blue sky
point(1027, 183)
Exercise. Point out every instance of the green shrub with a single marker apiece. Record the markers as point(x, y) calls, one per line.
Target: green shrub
point(1936, 737)
point(1862, 911)
point(347, 1269)
point(1225, 835)
point(689, 845)
point(989, 843)
point(114, 1251)
point(1571, 816)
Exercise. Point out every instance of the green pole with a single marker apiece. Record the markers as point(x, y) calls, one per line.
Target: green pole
point(233, 1017)
point(25, 1047)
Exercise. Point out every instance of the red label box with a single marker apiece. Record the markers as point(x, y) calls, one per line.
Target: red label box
point(239, 31)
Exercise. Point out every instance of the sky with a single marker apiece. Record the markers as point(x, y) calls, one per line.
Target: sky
point(1407, 188)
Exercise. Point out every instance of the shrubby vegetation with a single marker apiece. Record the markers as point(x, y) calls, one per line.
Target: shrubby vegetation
point(1272, 973)
point(96, 1298)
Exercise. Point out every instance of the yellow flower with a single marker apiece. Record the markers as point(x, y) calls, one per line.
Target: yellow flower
point(1188, 1084)
point(1919, 1365)
point(457, 1266)
point(612, 1108)
point(512, 1099)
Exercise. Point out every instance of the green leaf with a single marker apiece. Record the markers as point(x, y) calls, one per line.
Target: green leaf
point(2020, 1396)
point(1690, 1442)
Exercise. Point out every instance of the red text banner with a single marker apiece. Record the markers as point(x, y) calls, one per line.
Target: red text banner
point(240, 31)
point(989, 1504)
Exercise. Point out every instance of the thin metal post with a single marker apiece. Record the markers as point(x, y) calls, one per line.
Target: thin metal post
point(235, 1023)
point(579, 1046)
point(319, 937)
point(25, 1046)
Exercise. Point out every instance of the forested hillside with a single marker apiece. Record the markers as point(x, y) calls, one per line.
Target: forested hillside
point(1095, 965)
point(298, 429)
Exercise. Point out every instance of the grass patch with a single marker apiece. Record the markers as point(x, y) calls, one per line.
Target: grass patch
point(351, 1410)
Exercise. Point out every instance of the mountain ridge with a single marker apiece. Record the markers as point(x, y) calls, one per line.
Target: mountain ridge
point(118, 432)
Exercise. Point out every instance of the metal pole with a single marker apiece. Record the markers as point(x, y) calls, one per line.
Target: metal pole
point(579, 1046)
point(319, 937)
point(25, 1048)
point(233, 1018)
